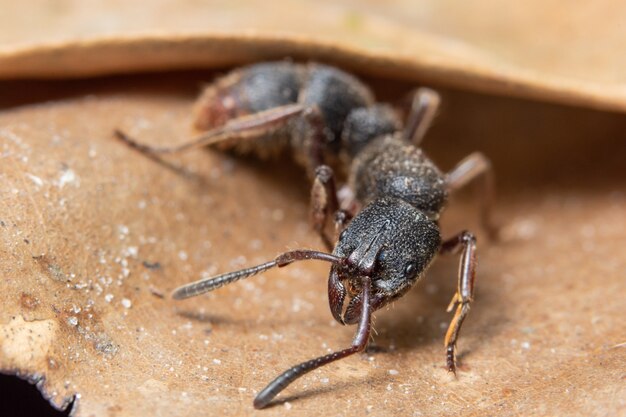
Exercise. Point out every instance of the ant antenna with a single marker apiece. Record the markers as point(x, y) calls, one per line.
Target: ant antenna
point(423, 110)
point(241, 127)
point(284, 259)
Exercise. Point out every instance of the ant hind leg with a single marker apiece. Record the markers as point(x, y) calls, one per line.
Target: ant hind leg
point(245, 127)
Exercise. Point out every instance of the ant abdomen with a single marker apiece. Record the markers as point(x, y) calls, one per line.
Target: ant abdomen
point(248, 91)
point(330, 100)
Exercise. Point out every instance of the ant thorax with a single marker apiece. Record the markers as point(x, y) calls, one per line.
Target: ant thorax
point(392, 167)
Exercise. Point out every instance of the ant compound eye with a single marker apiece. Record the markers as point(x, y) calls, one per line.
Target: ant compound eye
point(382, 256)
point(410, 269)
point(343, 234)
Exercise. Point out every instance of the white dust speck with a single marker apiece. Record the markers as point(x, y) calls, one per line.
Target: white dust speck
point(242, 389)
point(588, 231)
point(38, 181)
point(278, 215)
point(525, 229)
point(324, 380)
point(126, 303)
point(525, 345)
point(217, 361)
point(182, 255)
point(238, 262)
point(123, 231)
point(287, 405)
point(72, 321)
point(393, 372)
point(68, 177)
point(131, 251)
point(108, 298)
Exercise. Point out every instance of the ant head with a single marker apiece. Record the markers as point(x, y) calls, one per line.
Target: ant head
point(364, 124)
point(391, 242)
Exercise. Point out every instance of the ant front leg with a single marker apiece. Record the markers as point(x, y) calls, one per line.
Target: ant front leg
point(471, 167)
point(324, 201)
point(247, 127)
point(464, 294)
point(358, 344)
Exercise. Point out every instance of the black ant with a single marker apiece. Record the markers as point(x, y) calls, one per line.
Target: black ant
point(387, 233)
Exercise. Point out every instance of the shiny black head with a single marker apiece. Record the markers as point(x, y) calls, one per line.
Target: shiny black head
point(390, 241)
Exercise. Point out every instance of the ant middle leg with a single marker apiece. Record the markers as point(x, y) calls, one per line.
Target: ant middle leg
point(471, 167)
point(464, 294)
point(423, 110)
point(247, 127)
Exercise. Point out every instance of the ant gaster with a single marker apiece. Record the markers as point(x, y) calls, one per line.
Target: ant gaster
point(387, 233)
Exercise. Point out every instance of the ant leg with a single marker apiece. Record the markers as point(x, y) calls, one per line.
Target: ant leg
point(342, 218)
point(471, 167)
point(358, 344)
point(423, 110)
point(323, 201)
point(246, 127)
point(464, 294)
point(314, 139)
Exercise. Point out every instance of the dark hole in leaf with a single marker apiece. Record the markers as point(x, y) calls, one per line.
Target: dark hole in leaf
point(20, 398)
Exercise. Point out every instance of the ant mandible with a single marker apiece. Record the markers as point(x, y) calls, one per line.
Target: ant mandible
point(387, 233)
